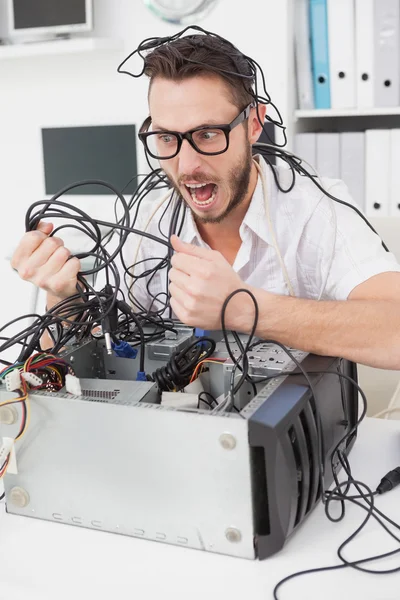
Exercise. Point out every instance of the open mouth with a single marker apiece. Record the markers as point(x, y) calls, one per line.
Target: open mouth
point(202, 194)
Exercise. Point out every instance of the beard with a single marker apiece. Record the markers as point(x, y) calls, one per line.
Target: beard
point(238, 185)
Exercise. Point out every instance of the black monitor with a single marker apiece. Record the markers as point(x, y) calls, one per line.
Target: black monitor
point(106, 152)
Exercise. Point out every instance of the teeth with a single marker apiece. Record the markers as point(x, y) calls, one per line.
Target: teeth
point(196, 185)
point(206, 202)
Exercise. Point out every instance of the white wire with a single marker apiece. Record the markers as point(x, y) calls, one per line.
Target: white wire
point(395, 397)
point(385, 413)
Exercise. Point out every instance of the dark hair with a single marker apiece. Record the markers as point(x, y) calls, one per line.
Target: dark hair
point(203, 54)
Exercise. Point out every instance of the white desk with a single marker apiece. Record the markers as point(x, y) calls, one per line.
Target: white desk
point(48, 561)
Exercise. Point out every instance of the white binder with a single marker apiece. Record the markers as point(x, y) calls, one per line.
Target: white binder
point(342, 53)
point(352, 164)
point(394, 194)
point(386, 52)
point(364, 19)
point(304, 147)
point(303, 56)
point(328, 155)
point(377, 171)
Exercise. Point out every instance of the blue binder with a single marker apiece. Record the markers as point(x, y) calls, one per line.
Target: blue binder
point(320, 53)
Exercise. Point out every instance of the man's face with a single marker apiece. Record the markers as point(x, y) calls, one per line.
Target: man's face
point(194, 102)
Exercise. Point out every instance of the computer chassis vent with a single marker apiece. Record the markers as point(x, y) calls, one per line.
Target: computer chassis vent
point(303, 439)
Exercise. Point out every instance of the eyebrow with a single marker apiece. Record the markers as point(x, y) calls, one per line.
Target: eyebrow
point(210, 123)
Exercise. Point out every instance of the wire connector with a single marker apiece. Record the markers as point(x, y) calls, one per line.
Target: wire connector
point(124, 350)
point(390, 481)
point(198, 332)
point(141, 376)
point(31, 378)
point(13, 380)
point(73, 385)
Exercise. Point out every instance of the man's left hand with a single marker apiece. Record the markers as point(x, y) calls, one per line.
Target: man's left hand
point(200, 281)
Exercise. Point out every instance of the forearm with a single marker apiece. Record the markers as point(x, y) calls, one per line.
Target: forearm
point(364, 331)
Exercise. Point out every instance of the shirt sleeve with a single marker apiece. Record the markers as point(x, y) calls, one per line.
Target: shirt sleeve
point(348, 251)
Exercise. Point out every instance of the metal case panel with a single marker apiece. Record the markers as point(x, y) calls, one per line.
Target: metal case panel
point(139, 470)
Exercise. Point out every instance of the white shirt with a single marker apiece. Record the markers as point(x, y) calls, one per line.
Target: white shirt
point(319, 254)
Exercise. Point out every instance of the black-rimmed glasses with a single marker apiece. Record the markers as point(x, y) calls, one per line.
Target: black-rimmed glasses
point(209, 140)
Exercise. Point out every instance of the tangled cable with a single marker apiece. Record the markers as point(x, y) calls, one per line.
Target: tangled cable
point(177, 373)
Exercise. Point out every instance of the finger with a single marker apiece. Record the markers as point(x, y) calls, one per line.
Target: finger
point(180, 279)
point(191, 249)
point(45, 228)
point(29, 243)
point(51, 267)
point(180, 295)
point(63, 283)
point(43, 253)
point(191, 265)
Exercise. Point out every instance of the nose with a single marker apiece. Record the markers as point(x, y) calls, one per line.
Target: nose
point(189, 159)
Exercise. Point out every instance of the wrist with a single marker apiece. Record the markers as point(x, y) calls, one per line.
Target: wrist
point(240, 313)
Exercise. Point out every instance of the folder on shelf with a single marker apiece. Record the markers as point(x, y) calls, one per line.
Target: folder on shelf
point(341, 53)
point(386, 52)
point(304, 147)
point(352, 164)
point(364, 21)
point(302, 45)
point(328, 155)
point(394, 191)
point(377, 171)
point(320, 53)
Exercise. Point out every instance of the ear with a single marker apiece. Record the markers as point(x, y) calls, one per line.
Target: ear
point(257, 114)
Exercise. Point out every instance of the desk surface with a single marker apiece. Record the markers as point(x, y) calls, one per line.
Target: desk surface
point(40, 560)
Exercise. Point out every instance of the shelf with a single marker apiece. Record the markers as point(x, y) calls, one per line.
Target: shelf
point(49, 48)
point(346, 112)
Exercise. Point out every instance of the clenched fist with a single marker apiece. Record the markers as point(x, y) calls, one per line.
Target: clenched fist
point(45, 262)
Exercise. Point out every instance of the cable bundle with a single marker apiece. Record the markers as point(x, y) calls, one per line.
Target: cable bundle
point(178, 372)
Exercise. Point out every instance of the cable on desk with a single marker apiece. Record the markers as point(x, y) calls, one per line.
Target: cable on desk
point(368, 496)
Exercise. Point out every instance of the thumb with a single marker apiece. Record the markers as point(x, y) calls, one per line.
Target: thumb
point(44, 227)
point(180, 246)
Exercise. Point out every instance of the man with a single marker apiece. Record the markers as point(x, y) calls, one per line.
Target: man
point(240, 230)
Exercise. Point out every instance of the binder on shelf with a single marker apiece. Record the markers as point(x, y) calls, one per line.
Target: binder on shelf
point(304, 147)
point(341, 53)
point(302, 45)
point(320, 53)
point(364, 27)
point(386, 52)
point(328, 155)
point(394, 193)
point(352, 164)
point(377, 172)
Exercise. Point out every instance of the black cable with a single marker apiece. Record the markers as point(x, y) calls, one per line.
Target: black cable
point(243, 349)
point(176, 374)
point(209, 399)
point(247, 70)
point(337, 495)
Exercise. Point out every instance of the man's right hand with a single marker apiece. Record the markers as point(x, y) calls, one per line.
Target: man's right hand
point(44, 261)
